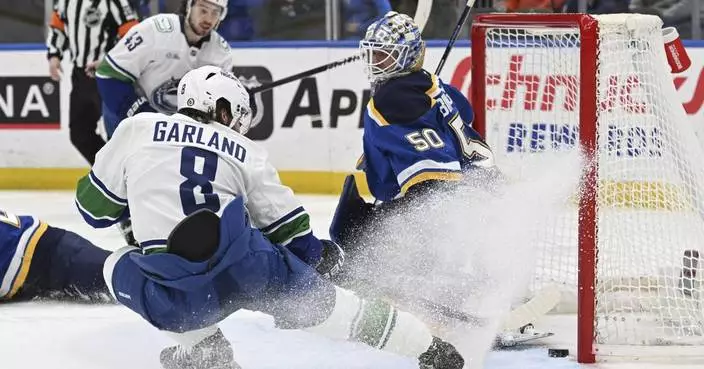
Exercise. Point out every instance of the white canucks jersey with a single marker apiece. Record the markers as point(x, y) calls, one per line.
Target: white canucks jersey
point(155, 55)
point(166, 167)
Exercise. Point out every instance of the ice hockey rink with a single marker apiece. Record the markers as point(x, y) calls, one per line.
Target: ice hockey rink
point(41, 335)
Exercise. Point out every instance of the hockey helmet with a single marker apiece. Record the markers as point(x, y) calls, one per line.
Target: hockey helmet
point(209, 88)
point(392, 47)
point(220, 3)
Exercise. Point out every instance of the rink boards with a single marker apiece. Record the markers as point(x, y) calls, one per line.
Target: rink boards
point(311, 128)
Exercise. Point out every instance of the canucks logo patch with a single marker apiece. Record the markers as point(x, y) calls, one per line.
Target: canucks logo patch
point(163, 24)
point(164, 97)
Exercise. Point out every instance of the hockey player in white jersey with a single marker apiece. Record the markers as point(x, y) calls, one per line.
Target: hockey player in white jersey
point(141, 72)
point(219, 233)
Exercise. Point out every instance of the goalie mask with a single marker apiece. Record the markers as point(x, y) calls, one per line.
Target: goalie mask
point(215, 95)
point(392, 47)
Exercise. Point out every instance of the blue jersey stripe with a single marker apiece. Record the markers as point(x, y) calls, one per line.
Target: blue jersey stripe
point(148, 243)
point(99, 223)
point(283, 219)
point(108, 193)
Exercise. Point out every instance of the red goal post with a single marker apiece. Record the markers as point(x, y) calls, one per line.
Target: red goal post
point(611, 76)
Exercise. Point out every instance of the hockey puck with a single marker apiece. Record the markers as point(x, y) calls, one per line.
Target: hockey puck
point(558, 352)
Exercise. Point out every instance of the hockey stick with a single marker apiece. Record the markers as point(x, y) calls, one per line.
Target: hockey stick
point(455, 34)
point(420, 19)
point(433, 307)
point(304, 74)
point(540, 304)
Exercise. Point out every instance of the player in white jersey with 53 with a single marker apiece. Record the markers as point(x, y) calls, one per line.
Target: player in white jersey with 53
point(141, 72)
point(195, 166)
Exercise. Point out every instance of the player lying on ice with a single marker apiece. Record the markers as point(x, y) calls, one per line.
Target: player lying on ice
point(38, 260)
point(259, 255)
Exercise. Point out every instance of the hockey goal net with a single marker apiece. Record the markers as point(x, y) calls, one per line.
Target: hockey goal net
point(627, 245)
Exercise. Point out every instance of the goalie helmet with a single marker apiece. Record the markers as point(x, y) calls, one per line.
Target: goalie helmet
point(392, 47)
point(218, 96)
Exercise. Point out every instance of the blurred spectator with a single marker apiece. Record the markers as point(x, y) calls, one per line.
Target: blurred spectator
point(171, 6)
point(357, 15)
point(534, 6)
point(444, 15)
point(599, 6)
point(238, 25)
point(676, 13)
point(141, 7)
point(290, 20)
point(22, 21)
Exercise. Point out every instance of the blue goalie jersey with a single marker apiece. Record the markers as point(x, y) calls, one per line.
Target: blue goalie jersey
point(19, 236)
point(416, 128)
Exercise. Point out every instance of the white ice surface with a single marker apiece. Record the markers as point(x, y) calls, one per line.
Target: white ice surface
point(72, 336)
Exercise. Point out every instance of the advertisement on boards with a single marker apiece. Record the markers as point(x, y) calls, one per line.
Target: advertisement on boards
point(29, 103)
point(309, 125)
point(262, 116)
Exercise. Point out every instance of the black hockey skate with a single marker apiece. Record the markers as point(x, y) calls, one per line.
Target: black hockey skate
point(441, 355)
point(214, 352)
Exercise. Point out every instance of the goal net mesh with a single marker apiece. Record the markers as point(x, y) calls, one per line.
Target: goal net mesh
point(650, 224)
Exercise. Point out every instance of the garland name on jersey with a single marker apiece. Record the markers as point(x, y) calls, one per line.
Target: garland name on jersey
point(195, 134)
point(198, 166)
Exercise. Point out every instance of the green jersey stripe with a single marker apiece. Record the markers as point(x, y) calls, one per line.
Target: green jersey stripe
point(293, 228)
point(107, 70)
point(95, 203)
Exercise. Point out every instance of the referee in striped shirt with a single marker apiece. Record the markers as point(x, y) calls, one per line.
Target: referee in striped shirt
point(87, 29)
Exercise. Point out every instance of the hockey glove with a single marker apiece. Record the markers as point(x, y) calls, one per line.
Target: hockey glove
point(332, 259)
point(125, 228)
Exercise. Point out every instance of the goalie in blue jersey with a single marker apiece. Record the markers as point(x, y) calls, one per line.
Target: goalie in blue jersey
point(417, 130)
point(41, 261)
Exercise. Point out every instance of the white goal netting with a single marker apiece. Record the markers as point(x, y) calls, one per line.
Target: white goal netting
point(650, 214)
